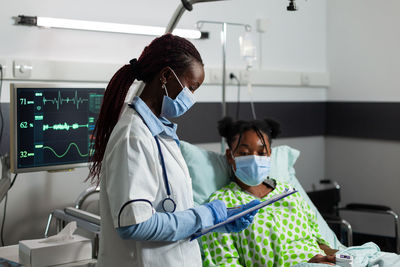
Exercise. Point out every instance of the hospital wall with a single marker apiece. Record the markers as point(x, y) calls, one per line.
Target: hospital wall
point(294, 43)
point(363, 142)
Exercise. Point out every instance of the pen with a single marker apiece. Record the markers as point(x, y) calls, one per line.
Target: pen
point(235, 208)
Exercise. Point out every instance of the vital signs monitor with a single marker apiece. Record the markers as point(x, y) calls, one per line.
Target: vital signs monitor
point(51, 126)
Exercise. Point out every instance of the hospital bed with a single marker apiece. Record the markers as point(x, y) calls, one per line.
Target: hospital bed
point(327, 201)
point(209, 172)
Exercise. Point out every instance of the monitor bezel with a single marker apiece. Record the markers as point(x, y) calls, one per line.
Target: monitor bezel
point(13, 128)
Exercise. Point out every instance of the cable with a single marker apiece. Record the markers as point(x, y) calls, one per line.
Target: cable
point(1, 112)
point(13, 181)
point(233, 76)
point(4, 213)
point(3, 221)
point(253, 110)
point(250, 89)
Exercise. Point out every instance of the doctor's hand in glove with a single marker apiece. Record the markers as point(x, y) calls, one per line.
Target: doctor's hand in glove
point(221, 213)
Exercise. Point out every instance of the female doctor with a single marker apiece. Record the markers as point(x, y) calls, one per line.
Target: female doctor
point(146, 206)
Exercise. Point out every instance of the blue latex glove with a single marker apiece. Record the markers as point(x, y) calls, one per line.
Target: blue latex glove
point(221, 213)
point(218, 210)
point(241, 223)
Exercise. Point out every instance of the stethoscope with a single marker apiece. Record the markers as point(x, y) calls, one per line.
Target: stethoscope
point(168, 204)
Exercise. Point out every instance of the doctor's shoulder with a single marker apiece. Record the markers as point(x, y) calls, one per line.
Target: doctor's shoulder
point(130, 125)
point(130, 133)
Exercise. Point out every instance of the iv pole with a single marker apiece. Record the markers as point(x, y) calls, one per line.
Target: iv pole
point(188, 5)
point(247, 27)
point(184, 5)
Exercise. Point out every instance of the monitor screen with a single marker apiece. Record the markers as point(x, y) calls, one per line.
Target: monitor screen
point(51, 126)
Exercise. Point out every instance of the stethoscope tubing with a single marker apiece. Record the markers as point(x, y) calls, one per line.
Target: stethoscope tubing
point(168, 199)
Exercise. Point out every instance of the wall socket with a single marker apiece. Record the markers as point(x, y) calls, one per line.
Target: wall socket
point(215, 76)
point(22, 68)
point(305, 79)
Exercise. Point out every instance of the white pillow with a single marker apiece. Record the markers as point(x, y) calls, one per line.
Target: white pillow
point(210, 171)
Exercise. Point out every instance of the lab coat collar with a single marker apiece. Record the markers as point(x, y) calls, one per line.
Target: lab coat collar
point(157, 126)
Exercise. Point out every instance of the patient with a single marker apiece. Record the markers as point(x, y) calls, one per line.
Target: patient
point(282, 234)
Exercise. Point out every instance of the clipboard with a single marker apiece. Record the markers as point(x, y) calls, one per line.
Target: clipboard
point(273, 199)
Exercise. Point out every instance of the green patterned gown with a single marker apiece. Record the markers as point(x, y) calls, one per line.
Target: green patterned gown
point(282, 234)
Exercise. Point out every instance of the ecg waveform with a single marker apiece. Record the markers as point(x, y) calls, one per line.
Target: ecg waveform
point(66, 151)
point(59, 100)
point(64, 126)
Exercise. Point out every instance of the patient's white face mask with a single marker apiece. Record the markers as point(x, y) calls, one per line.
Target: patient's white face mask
point(252, 170)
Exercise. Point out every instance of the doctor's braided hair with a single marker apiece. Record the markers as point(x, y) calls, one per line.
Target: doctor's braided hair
point(233, 130)
point(167, 50)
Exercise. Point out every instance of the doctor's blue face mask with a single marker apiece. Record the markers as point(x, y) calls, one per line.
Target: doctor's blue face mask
point(252, 169)
point(173, 108)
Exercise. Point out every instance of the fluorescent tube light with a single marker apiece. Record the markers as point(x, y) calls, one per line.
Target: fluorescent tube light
point(105, 27)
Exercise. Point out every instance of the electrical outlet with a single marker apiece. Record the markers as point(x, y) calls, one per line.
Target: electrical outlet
point(22, 68)
point(305, 79)
point(236, 73)
point(214, 76)
point(3, 64)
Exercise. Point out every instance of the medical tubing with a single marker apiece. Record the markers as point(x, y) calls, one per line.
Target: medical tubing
point(233, 77)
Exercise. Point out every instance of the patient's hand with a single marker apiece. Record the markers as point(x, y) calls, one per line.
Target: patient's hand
point(328, 250)
point(330, 260)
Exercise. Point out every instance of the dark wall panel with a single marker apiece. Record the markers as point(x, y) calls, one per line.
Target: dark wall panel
point(297, 119)
point(376, 120)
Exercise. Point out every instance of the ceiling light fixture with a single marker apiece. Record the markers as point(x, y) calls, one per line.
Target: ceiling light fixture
point(47, 22)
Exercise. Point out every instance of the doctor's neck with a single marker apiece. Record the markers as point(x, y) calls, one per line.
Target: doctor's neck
point(152, 96)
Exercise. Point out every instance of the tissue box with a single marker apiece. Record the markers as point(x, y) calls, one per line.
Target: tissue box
point(34, 253)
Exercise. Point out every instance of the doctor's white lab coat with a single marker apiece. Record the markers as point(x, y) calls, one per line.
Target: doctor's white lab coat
point(132, 189)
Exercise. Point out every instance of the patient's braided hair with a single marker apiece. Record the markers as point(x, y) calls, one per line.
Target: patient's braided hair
point(233, 130)
point(168, 50)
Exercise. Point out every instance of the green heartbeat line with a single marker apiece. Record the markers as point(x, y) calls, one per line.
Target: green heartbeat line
point(69, 146)
point(59, 100)
point(64, 126)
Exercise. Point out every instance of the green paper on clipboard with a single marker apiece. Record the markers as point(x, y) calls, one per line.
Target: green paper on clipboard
point(273, 199)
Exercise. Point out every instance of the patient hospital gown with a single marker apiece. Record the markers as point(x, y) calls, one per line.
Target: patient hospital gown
point(282, 234)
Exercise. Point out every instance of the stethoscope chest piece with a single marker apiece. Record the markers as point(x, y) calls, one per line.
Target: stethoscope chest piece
point(168, 205)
